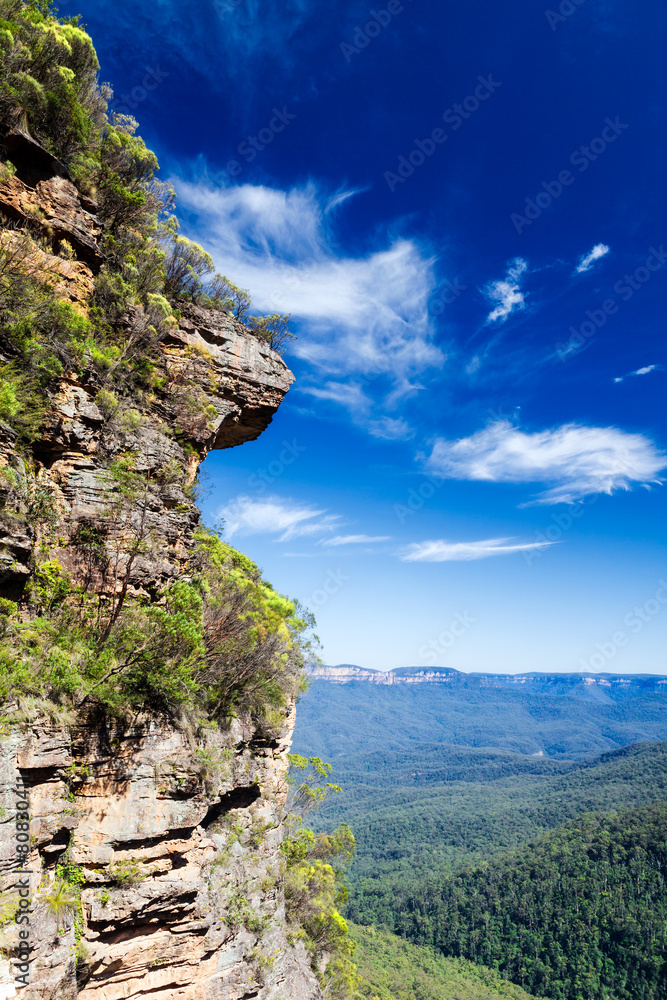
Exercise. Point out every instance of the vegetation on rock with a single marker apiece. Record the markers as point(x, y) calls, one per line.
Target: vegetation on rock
point(580, 914)
point(221, 641)
point(49, 89)
point(218, 639)
point(393, 969)
point(48, 82)
point(315, 889)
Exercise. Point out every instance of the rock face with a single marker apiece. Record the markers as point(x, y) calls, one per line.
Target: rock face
point(54, 203)
point(178, 838)
point(222, 386)
point(175, 834)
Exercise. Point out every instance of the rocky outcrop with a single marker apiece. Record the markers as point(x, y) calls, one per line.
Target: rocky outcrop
point(221, 387)
point(174, 835)
point(177, 836)
point(249, 379)
point(54, 206)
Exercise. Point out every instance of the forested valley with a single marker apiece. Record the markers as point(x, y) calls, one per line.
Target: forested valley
point(545, 874)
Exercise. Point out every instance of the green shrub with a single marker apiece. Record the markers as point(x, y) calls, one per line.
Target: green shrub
point(21, 404)
point(126, 172)
point(126, 873)
point(221, 643)
point(187, 265)
point(224, 294)
point(48, 78)
point(107, 404)
point(62, 900)
point(10, 405)
point(275, 328)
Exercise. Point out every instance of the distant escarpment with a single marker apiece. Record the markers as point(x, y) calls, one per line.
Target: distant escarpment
point(595, 684)
point(349, 713)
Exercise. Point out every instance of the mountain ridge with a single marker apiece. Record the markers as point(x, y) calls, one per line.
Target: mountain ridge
point(347, 673)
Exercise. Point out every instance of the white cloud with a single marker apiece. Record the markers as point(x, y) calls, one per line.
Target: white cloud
point(640, 371)
point(223, 41)
point(586, 262)
point(443, 551)
point(348, 394)
point(352, 396)
point(359, 314)
point(356, 540)
point(390, 429)
point(506, 294)
point(275, 516)
point(575, 461)
point(340, 199)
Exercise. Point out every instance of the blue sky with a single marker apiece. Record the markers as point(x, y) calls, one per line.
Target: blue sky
point(462, 206)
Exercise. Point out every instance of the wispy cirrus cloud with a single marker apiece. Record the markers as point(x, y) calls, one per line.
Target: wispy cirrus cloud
point(389, 428)
point(288, 520)
point(276, 516)
point(365, 314)
point(640, 371)
point(586, 262)
point(362, 409)
point(348, 394)
point(221, 40)
point(441, 550)
point(505, 294)
point(356, 540)
point(573, 460)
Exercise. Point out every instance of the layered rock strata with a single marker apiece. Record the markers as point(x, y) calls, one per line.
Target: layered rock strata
point(221, 387)
point(177, 836)
point(173, 834)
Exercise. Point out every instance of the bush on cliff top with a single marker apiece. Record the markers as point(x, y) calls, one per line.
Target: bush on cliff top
point(217, 643)
point(49, 88)
point(48, 79)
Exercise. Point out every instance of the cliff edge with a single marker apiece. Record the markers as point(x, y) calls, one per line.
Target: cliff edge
point(139, 854)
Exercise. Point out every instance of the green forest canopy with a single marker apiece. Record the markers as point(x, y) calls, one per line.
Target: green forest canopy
point(579, 914)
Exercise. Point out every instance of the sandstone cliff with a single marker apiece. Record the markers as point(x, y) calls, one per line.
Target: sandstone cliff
point(347, 673)
point(173, 831)
point(177, 838)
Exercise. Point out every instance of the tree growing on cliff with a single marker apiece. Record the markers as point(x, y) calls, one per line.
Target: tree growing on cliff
point(187, 266)
point(219, 640)
point(188, 276)
point(314, 882)
point(224, 294)
point(275, 328)
point(48, 79)
point(217, 644)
